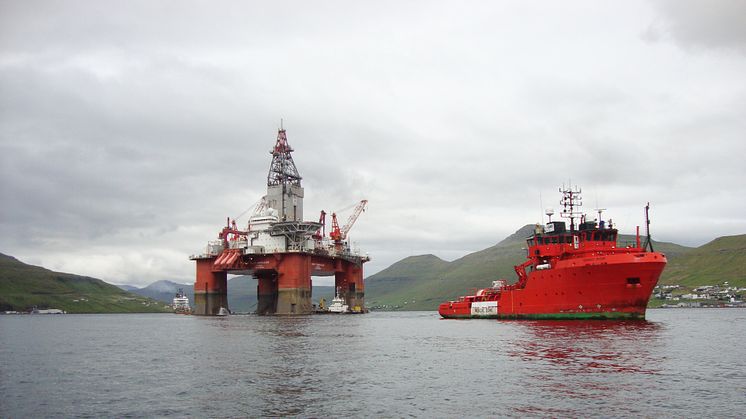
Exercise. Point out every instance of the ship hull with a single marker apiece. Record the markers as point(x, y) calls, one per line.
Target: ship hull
point(616, 286)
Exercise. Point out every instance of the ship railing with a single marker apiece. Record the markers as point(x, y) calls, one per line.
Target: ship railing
point(200, 256)
point(627, 244)
point(238, 244)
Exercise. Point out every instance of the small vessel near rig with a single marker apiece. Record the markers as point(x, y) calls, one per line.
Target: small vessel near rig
point(575, 273)
point(338, 305)
point(181, 303)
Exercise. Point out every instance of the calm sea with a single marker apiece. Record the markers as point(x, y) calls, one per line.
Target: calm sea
point(679, 363)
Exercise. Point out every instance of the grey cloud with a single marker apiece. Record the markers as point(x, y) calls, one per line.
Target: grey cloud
point(701, 24)
point(129, 132)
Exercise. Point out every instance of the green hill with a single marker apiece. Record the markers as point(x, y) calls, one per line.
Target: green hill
point(723, 259)
point(24, 286)
point(422, 282)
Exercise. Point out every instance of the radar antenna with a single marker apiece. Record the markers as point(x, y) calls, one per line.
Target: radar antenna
point(550, 212)
point(600, 220)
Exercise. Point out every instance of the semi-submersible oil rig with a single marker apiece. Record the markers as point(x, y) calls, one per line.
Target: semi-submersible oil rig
point(281, 250)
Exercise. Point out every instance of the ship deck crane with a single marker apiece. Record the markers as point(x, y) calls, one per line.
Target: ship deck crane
point(339, 234)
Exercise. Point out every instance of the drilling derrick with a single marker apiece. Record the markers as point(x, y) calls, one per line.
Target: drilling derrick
point(280, 249)
point(284, 191)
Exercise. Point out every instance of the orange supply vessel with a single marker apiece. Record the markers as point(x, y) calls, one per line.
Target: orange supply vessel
point(571, 273)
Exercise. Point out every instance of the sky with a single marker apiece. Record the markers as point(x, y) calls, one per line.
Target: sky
point(129, 131)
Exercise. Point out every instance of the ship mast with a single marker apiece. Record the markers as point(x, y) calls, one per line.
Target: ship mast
point(571, 202)
point(648, 240)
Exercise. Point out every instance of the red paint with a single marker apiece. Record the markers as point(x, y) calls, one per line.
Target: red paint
point(209, 280)
point(294, 272)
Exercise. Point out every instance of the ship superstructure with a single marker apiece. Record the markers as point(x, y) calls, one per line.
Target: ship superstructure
point(575, 271)
point(181, 303)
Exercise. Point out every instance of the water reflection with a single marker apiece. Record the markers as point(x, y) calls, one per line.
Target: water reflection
point(591, 346)
point(289, 375)
point(301, 354)
point(597, 363)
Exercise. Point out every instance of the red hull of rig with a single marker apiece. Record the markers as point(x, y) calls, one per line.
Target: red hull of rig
point(575, 274)
point(281, 250)
point(284, 281)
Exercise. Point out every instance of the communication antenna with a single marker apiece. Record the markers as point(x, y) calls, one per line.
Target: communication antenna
point(571, 202)
point(541, 206)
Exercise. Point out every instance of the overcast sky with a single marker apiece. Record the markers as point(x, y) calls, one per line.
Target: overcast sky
point(130, 130)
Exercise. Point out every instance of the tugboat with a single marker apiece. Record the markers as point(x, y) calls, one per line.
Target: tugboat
point(181, 303)
point(575, 273)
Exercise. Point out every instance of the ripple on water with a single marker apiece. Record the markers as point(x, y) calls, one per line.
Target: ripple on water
point(381, 364)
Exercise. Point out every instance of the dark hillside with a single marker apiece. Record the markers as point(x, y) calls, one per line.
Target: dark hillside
point(24, 286)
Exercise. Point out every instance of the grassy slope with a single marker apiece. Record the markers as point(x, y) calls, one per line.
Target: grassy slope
point(723, 259)
point(425, 281)
point(24, 286)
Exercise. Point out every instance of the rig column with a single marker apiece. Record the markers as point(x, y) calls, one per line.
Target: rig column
point(294, 284)
point(349, 281)
point(355, 276)
point(210, 289)
point(266, 292)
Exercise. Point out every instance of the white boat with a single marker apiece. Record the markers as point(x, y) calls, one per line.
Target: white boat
point(223, 312)
point(338, 305)
point(181, 303)
point(47, 311)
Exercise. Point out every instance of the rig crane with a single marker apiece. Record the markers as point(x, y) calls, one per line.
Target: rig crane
point(339, 234)
point(255, 209)
point(322, 231)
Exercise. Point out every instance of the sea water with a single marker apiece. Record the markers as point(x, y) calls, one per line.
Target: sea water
point(678, 363)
